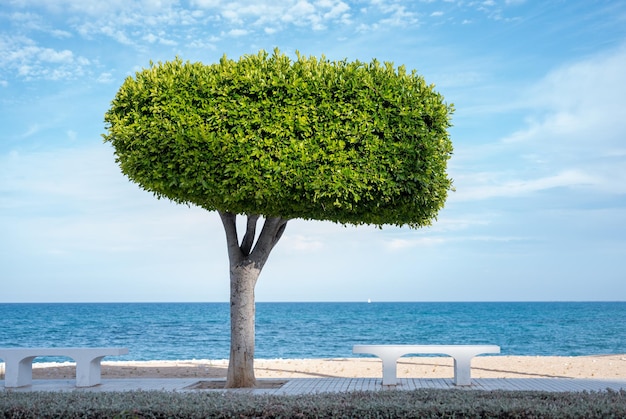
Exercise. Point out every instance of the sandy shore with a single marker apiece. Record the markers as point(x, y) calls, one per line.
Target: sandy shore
point(597, 366)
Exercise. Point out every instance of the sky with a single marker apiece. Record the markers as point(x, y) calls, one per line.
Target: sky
point(539, 165)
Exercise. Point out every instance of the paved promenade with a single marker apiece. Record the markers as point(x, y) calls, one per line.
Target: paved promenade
point(294, 386)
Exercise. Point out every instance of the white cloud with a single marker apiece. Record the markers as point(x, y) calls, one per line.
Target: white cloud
point(202, 44)
point(338, 10)
point(396, 14)
point(301, 243)
point(31, 61)
point(402, 244)
point(365, 28)
point(491, 185)
point(75, 200)
point(63, 174)
point(32, 130)
point(58, 33)
point(269, 14)
point(303, 7)
point(150, 38)
point(105, 78)
point(207, 4)
point(52, 56)
point(573, 137)
point(112, 31)
point(304, 13)
point(168, 42)
point(35, 22)
point(144, 23)
point(128, 23)
point(160, 38)
point(584, 98)
point(97, 7)
point(237, 32)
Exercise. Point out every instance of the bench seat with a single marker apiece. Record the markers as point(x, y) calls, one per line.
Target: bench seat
point(462, 355)
point(19, 363)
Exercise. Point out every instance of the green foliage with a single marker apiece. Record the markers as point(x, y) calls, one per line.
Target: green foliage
point(349, 142)
point(382, 404)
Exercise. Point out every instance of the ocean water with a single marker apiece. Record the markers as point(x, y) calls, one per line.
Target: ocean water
point(175, 331)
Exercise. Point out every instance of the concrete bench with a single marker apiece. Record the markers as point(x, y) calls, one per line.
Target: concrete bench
point(462, 355)
point(19, 363)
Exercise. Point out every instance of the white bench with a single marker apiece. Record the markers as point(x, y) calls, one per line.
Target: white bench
point(462, 355)
point(18, 370)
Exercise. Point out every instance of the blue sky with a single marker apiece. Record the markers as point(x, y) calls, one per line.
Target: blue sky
point(539, 167)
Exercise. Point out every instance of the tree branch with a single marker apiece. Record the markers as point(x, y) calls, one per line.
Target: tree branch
point(272, 231)
point(279, 232)
point(229, 220)
point(248, 238)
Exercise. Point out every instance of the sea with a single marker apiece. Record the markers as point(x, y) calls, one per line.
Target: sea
point(185, 331)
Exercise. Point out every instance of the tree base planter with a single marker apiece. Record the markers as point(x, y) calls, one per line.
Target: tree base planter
point(221, 385)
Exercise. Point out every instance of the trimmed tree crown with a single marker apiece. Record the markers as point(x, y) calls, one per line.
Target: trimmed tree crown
point(349, 142)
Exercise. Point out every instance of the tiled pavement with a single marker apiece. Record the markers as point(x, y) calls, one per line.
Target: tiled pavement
point(295, 386)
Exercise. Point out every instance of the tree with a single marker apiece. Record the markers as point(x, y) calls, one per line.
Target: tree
point(274, 139)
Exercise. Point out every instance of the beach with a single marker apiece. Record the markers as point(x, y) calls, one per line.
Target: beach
point(596, 366)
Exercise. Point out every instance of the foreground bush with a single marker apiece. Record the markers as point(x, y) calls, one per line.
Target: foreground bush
point(383, 404)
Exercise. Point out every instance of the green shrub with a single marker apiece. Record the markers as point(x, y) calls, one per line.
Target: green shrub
point(383, 404)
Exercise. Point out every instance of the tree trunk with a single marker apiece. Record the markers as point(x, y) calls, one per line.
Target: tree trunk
point(246, 262)
point(242, 311)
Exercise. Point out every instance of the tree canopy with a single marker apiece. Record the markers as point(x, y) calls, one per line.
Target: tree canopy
point(349, 142)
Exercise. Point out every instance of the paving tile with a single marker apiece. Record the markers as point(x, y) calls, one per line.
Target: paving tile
point(295, 386)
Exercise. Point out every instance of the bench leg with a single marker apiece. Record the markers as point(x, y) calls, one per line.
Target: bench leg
point(18, 372)
point(390, 371)
point(88, 371)
point(462, 371)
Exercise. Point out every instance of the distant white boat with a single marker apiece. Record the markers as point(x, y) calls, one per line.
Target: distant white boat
point(369, 300)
